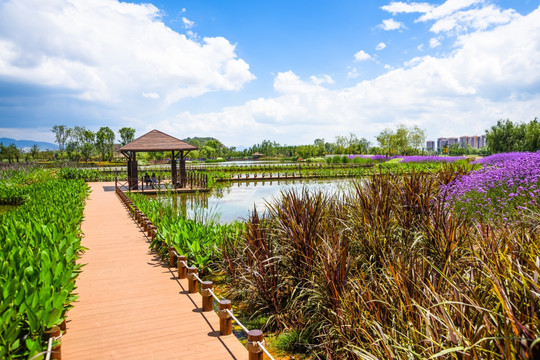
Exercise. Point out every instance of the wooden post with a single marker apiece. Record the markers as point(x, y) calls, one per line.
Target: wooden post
point(149, 228)
point(255, 351)
point(192, 280)
point(54, 332)
point(63, 326)
point(172, 257)
point(225, 320)
point(207, 296)
point(182, 268)
point(152, 232)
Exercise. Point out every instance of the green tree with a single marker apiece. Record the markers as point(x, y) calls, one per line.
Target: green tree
point(341, 144)
point(105, 143)
point(305, 151)
point(319, 146)
point(416, 137)
point(503, 137)
point(34, 151)
point(532, 136)
point(127, 135)
point(10, 152)
point(400, 140)
point(363, 146)
point(385, 139)
point(62, 133)
point(82, 143)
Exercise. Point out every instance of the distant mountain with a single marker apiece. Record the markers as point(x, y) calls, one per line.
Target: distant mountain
point(27, 144)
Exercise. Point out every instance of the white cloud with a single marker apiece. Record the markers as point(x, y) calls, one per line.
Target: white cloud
point(434, 42)
point(151, 95)
point(380, 46)
point(324, 79)
point(397, 7)
point(353, 73)
point(475, 19)
point(188, 24)
point(447, 8)
point(391, 24)
point(108, 50)
point(420, 47)
point(492, 74)
point(361, 56)
point(455, 15)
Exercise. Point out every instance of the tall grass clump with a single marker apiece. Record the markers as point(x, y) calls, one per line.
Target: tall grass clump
point(389, 270)
point(39, 246)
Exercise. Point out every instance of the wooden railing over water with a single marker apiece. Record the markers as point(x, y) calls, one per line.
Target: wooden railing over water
point(194, 181)
point(255, 338)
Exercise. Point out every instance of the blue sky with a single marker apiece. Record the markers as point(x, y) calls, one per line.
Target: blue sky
point(288, 71)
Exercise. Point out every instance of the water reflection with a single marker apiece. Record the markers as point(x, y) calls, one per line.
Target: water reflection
point(234, 202)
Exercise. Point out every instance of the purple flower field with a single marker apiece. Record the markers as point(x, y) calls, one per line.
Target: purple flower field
point(419, 159)
point(507, 187)
point(410, 159)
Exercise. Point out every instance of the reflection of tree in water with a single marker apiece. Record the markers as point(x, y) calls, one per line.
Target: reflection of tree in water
point(195, 206)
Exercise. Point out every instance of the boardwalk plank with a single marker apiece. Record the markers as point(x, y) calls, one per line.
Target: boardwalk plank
point(131, 306)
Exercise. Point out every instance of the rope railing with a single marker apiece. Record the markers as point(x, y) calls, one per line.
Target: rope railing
point(49, 349)
point(255, 338)
point(237, 321)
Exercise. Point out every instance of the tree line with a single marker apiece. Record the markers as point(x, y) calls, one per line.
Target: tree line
point(507, 136)
point(80, 144)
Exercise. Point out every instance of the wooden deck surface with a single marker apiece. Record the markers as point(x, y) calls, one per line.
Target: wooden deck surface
point(131, 305)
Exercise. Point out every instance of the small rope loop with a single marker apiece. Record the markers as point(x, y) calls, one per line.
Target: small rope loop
point(255, 346)
point(223, 314)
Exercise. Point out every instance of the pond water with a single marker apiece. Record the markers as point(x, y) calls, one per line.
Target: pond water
point(236, 201)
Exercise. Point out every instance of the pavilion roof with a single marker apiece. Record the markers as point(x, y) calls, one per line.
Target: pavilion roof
point(156, 140)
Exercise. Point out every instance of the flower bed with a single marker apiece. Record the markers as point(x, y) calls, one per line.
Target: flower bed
point(507, 188)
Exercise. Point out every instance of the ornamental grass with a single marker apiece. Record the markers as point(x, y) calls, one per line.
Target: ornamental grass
point(389, 270)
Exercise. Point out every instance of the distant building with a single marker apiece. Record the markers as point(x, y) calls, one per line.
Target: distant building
point(476, 142)
point(446, 142)
point(430, 145)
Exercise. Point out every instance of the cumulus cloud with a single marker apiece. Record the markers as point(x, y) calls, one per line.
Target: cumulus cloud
point(380, 46)
point(188, 24)
point(105, 50)
point(434, 42)
point(492, 74)
point(398, 7)
point(455, 15)
point(324, 79)
point(391, 24)
point(361, 56)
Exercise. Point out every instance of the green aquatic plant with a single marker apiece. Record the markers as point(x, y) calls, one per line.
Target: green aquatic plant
point(40, 243)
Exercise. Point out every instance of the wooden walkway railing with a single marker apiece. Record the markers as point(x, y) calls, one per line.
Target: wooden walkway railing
point(255, 338)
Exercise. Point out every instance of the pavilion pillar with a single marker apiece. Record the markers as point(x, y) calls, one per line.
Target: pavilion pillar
point(133, 172)
point(174, 174)
point(183, 174)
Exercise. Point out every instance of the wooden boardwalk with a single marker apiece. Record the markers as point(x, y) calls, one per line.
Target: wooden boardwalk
point(131, 304)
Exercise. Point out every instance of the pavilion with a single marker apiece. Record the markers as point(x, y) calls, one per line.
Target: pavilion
point(157, 141)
